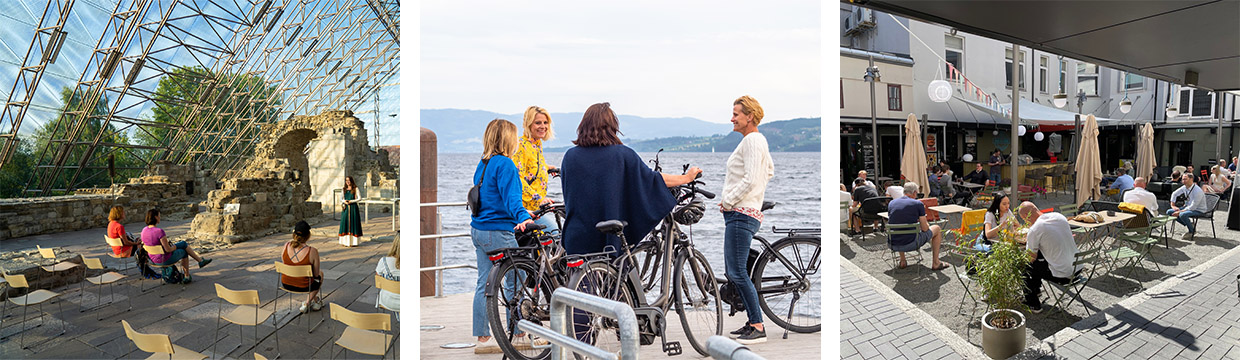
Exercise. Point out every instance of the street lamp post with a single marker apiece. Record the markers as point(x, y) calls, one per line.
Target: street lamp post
point(872, 76)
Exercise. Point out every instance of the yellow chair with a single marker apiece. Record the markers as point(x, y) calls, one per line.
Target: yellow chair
point(109, 278)
point(157, 250)
point(159, 344)
point(31, 298)
point(249, 312)
point(391, 286)
point(117, 242)
point(258, 356)
point(358, 334)
point(295, 271)
point(972, 217)
point(61, 266)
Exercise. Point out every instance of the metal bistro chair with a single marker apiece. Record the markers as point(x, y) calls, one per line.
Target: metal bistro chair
point(117, 242)
point(31, 298)
point(1212, 201)
point(359, 333)
point(110, 278)
point(903, 229)
point(1142, 243)
point(305, 271)
point(157, 250)
point(249, 312)
point(963, 250)
point(159, 344)
point(868, 213)
point(1079, 280)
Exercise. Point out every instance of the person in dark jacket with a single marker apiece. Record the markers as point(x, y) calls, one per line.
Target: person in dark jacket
point(978, 176)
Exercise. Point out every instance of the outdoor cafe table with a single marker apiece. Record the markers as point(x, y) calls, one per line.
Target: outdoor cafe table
point(1106, 220)
point(952, 209)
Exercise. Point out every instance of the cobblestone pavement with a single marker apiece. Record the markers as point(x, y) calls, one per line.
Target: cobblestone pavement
point(1195, 315)
point(187, 314)
point(875, 322)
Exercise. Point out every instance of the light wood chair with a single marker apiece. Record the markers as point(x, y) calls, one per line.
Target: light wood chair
point(157, 250)
point(359, 335)
point(36, 297)
point(109, 278)
point(258, 356)
point(249, 312)
point(59, 267)
point(391, 286)
point(305, 271)
point(117, 242)
point(159, 344)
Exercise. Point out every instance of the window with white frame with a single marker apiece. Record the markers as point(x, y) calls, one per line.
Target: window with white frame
point(1132, 81)
point(894, 100)
point(1043, 62)
point(1007, 68)
point(1063, 77)
point(1087, 78)
point(954, 54)
point(1196, 103)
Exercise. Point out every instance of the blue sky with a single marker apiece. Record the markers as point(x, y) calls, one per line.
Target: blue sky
point(648, 58)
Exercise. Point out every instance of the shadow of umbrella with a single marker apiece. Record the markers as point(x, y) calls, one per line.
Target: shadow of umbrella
point(1129, 321)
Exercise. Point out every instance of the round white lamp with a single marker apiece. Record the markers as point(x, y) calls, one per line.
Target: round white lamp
point(1060, 100)
point(967, 157)
point(1020, 130)
point(995, 133)
point(1172, 112)
point(1125, 106)
point(1038, 136)
point(939, 91)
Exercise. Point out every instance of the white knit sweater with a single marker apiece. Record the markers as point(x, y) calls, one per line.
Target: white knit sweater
point(749, 169)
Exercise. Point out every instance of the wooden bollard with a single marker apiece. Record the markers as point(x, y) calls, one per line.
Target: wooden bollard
point(429, 170)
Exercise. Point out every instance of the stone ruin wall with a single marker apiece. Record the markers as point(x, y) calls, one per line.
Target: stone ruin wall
point(88, 208)
point(292, 177)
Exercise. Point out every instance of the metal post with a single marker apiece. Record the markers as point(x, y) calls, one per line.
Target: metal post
point(1016, 58)
point(626, 319)
point(874, 123)
point(724, 348)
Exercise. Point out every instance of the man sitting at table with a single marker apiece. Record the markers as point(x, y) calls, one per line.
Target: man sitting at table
point(1121, 183)
point(978, 176)
point(1051, 252)
point(860, 193)
point(907, 210)
point(1139, 195)
point(1194, 203)
point(861, 176)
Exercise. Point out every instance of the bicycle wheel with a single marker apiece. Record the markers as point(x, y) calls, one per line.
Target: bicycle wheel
point(697, 300)
point(598, 279)
point(515, 293)
point(647, 258)
point(789, 302)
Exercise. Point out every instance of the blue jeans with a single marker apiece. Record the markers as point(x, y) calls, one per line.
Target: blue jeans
point(548, 220)
point(1185, 218)
point(486, 241)
point(737, 236)
point(996, 176)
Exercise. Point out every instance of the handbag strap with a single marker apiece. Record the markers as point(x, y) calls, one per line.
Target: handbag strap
point(484, 171)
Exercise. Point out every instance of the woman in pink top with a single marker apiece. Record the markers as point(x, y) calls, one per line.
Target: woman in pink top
point(153, 236)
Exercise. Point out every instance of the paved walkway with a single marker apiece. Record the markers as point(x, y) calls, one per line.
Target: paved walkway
point(187, 314)
point(1195, 315)
point(877, 323)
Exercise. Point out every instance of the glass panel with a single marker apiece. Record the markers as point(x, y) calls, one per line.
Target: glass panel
point(953, 42)
point(1042, 79)
point(1202, 100)
point(1086, 68)
point(1132, 81)
point(955, 59)
point(1088, 83)
point(1185, 100)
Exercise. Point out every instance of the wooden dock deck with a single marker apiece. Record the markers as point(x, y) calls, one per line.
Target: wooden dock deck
point(453, 313)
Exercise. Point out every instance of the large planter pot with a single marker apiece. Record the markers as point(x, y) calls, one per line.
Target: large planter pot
point(1003, 343)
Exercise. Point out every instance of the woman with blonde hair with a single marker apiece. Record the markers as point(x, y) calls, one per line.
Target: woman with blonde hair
point(531, 164)
point(749, 169)
point(499, 213)
point(1220, 183)
point(389, 268)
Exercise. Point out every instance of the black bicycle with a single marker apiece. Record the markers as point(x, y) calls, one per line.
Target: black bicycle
point(682, 269)
point(787, 278)
point(520, 284)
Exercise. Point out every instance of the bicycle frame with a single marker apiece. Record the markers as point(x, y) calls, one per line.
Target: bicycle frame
point(795, 270)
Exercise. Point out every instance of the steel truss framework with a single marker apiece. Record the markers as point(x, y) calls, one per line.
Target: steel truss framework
point(310, 55)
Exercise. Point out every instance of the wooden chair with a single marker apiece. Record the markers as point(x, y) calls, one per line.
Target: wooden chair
point(109, 278)
point(36, 297)
point(117, 242)
point(359, 334)
point(249, 312)
point(305, 271)
point(159, 344)
point(157, 250)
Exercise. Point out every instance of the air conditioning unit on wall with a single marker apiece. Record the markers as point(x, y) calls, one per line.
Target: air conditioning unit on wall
point(860, 20)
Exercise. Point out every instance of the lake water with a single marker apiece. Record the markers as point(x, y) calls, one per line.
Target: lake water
point(796, 188)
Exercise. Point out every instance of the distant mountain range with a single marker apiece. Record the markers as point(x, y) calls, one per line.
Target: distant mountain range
point(460, 131)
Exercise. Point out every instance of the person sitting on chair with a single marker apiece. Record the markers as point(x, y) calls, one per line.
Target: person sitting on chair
point(295, 253)
point(978, 176)
point(907, 210)
point(1121, 183)
point(1194, 204)
point(1139, 195)
point(154, 236)
point(1051, 252)
point(860, 193)
point(861, 175)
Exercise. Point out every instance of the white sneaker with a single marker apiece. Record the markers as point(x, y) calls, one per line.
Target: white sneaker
point(316, 305)
point(303, 308)
point(488, 347)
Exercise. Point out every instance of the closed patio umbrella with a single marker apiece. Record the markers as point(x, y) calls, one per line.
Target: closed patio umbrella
point(1088, 165)
point(1145, 152)
point(913, 161)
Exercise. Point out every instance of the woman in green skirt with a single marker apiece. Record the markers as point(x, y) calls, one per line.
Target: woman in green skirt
point(350, 217)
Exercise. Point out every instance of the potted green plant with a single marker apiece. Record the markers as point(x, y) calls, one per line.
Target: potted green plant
point(1000, 276)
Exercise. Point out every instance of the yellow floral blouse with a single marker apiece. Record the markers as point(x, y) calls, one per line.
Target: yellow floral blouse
point(533, 169)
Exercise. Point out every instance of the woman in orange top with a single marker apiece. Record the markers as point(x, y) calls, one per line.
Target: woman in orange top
point(297, 252)
point(116, 230)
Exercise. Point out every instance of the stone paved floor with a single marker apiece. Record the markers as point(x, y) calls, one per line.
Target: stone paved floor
point(876, 323)
point(187, 314)
point(1196, 315)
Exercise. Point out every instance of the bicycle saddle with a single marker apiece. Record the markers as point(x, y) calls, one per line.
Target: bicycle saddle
point(611, 226)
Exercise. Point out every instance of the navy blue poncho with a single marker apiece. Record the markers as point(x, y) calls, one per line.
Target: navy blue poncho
point(610, 183)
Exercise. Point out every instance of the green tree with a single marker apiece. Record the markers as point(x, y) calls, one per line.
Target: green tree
point(13, 175)
point(96, 173)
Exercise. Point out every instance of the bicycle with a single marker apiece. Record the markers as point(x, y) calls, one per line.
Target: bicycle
point(695, 291)
point(520, 284)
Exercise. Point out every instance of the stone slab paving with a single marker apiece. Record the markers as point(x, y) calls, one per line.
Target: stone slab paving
point(1195, 315)
point(877, 323)
point(187, 314)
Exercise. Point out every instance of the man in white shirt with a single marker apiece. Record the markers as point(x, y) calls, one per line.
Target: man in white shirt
point(1194, 204)
point(861, 175)
point(895, 192)
point(1051, 252)
point(1139, 195)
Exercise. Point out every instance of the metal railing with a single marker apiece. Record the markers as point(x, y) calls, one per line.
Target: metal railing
point(563, 345)
point(724, 348)
point(438, 237)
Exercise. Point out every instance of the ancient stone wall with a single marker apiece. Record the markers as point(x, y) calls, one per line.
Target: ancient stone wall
point(248, 208)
